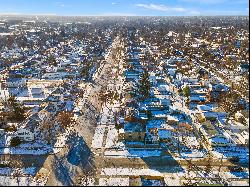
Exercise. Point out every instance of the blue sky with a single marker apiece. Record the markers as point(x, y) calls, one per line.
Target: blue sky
point(125, 7)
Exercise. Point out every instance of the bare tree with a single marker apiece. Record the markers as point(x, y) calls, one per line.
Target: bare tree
point(65, 119)
point(230, 102)
point(243, 86)
point(85, 179)
point(208, 166)
point(47, 124)
point(18, 164)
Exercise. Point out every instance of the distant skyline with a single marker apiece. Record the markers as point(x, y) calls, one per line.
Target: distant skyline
point(125, 7)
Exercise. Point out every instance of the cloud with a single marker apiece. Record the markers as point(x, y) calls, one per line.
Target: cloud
point(153, 7)
point(192, 12)
point(60, 4)
point(160, 7)
point(178, 9)
point(113, 3)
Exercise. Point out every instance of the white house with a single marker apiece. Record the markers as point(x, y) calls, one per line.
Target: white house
point(4, 94)
point(25, 135)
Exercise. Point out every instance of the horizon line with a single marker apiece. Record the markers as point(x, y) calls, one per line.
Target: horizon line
point(56, 15)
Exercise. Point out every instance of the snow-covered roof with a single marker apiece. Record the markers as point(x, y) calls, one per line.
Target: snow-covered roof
point(133, 127)
point(160, 113)
point(219, 140)
point(164, 133)
point(204, 107)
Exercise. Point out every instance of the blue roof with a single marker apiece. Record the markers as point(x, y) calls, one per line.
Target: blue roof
point(10, 79)
point(164, 133)
point(133, 127)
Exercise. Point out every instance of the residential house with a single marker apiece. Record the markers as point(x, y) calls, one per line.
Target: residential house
point(213, 136)
point(133, 132)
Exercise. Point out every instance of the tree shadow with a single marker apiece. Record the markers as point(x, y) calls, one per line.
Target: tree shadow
point(77, 159)
point(79, 153)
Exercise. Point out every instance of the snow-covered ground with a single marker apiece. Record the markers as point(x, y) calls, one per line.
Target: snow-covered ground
point(88, 182)
point(228, 175)
point(114, 181)
point(61, 140)
point(172, 180)
point(25, 177)
point(22, 181)
point(39, 151)
point(191, 141)
point(231, 152)
point(98, 137)
point(139, 153)
point(111, 136)
point(129, 172)
point(193, 154)
point(23, 171)
point(119, 145)
point(39, 147)
point(104, 119)
point(107, 115)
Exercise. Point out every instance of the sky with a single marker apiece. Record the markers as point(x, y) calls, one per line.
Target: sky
point(125, 7)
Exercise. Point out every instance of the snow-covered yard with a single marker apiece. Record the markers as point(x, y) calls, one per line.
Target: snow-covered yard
point(133, 153)
point(38, 147)
point(24, 177)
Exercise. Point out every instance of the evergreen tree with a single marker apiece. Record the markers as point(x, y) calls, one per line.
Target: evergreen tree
point(15, 110)
point(86, 70)
point(52, 60)
point(144, 85)
point(186, 91)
